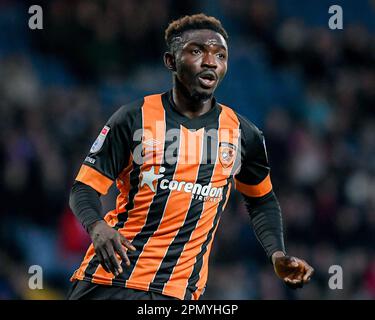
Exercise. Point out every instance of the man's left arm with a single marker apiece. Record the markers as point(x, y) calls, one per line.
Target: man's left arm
point(254, 182)
point(265, 216)
point(266, 219)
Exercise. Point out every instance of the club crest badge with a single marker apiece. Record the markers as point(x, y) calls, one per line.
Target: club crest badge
point(97, 145)
point(227, 153)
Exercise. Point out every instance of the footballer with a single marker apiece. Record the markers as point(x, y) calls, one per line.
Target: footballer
point(175, 157)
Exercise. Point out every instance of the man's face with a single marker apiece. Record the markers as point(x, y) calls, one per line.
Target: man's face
point(201, 62)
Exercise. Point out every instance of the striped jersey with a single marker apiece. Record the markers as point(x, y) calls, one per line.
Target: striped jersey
point(174, 175)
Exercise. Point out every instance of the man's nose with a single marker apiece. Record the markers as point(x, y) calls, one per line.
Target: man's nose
point(209, 61)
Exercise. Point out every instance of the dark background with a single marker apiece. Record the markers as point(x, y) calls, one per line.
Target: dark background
point(310, 89)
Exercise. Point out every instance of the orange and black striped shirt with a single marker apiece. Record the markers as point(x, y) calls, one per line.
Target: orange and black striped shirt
point(174, 175)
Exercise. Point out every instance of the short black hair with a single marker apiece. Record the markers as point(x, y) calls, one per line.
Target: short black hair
point(193, 22)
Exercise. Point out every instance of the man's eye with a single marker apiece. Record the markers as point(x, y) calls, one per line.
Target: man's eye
point(221, 56)
point(196, 51)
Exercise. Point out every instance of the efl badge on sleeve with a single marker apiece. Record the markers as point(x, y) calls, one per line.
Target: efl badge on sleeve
point(227, 153)
point(97, 145)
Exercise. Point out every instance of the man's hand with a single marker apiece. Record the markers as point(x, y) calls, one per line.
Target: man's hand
point(107, 242)
point(295, 272)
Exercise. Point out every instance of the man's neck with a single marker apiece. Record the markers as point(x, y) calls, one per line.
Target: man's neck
point(189, 107)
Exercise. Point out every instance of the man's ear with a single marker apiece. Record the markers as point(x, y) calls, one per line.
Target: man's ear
point(170, 61)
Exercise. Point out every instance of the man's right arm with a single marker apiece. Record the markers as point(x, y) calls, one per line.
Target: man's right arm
point(85, 204)
point(107, 158)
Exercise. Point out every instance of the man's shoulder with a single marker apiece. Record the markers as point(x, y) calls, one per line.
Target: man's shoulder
point(134, 108)
point(128, 110)
point(247, 124)
point(244, 123)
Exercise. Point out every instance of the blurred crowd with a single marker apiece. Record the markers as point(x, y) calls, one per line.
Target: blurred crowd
point(310, 89)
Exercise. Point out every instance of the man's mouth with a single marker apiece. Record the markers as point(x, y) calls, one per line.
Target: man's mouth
point(207, 79)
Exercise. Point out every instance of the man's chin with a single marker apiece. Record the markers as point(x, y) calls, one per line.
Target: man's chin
point(200, 95)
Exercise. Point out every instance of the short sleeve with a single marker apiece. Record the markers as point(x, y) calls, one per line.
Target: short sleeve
point(253, 178)
point(109, 154)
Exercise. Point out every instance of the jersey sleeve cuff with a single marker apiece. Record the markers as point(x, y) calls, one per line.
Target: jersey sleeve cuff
point(94, 179)
point(258, 190)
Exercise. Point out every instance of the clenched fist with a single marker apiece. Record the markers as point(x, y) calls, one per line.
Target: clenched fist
point(294, 271)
